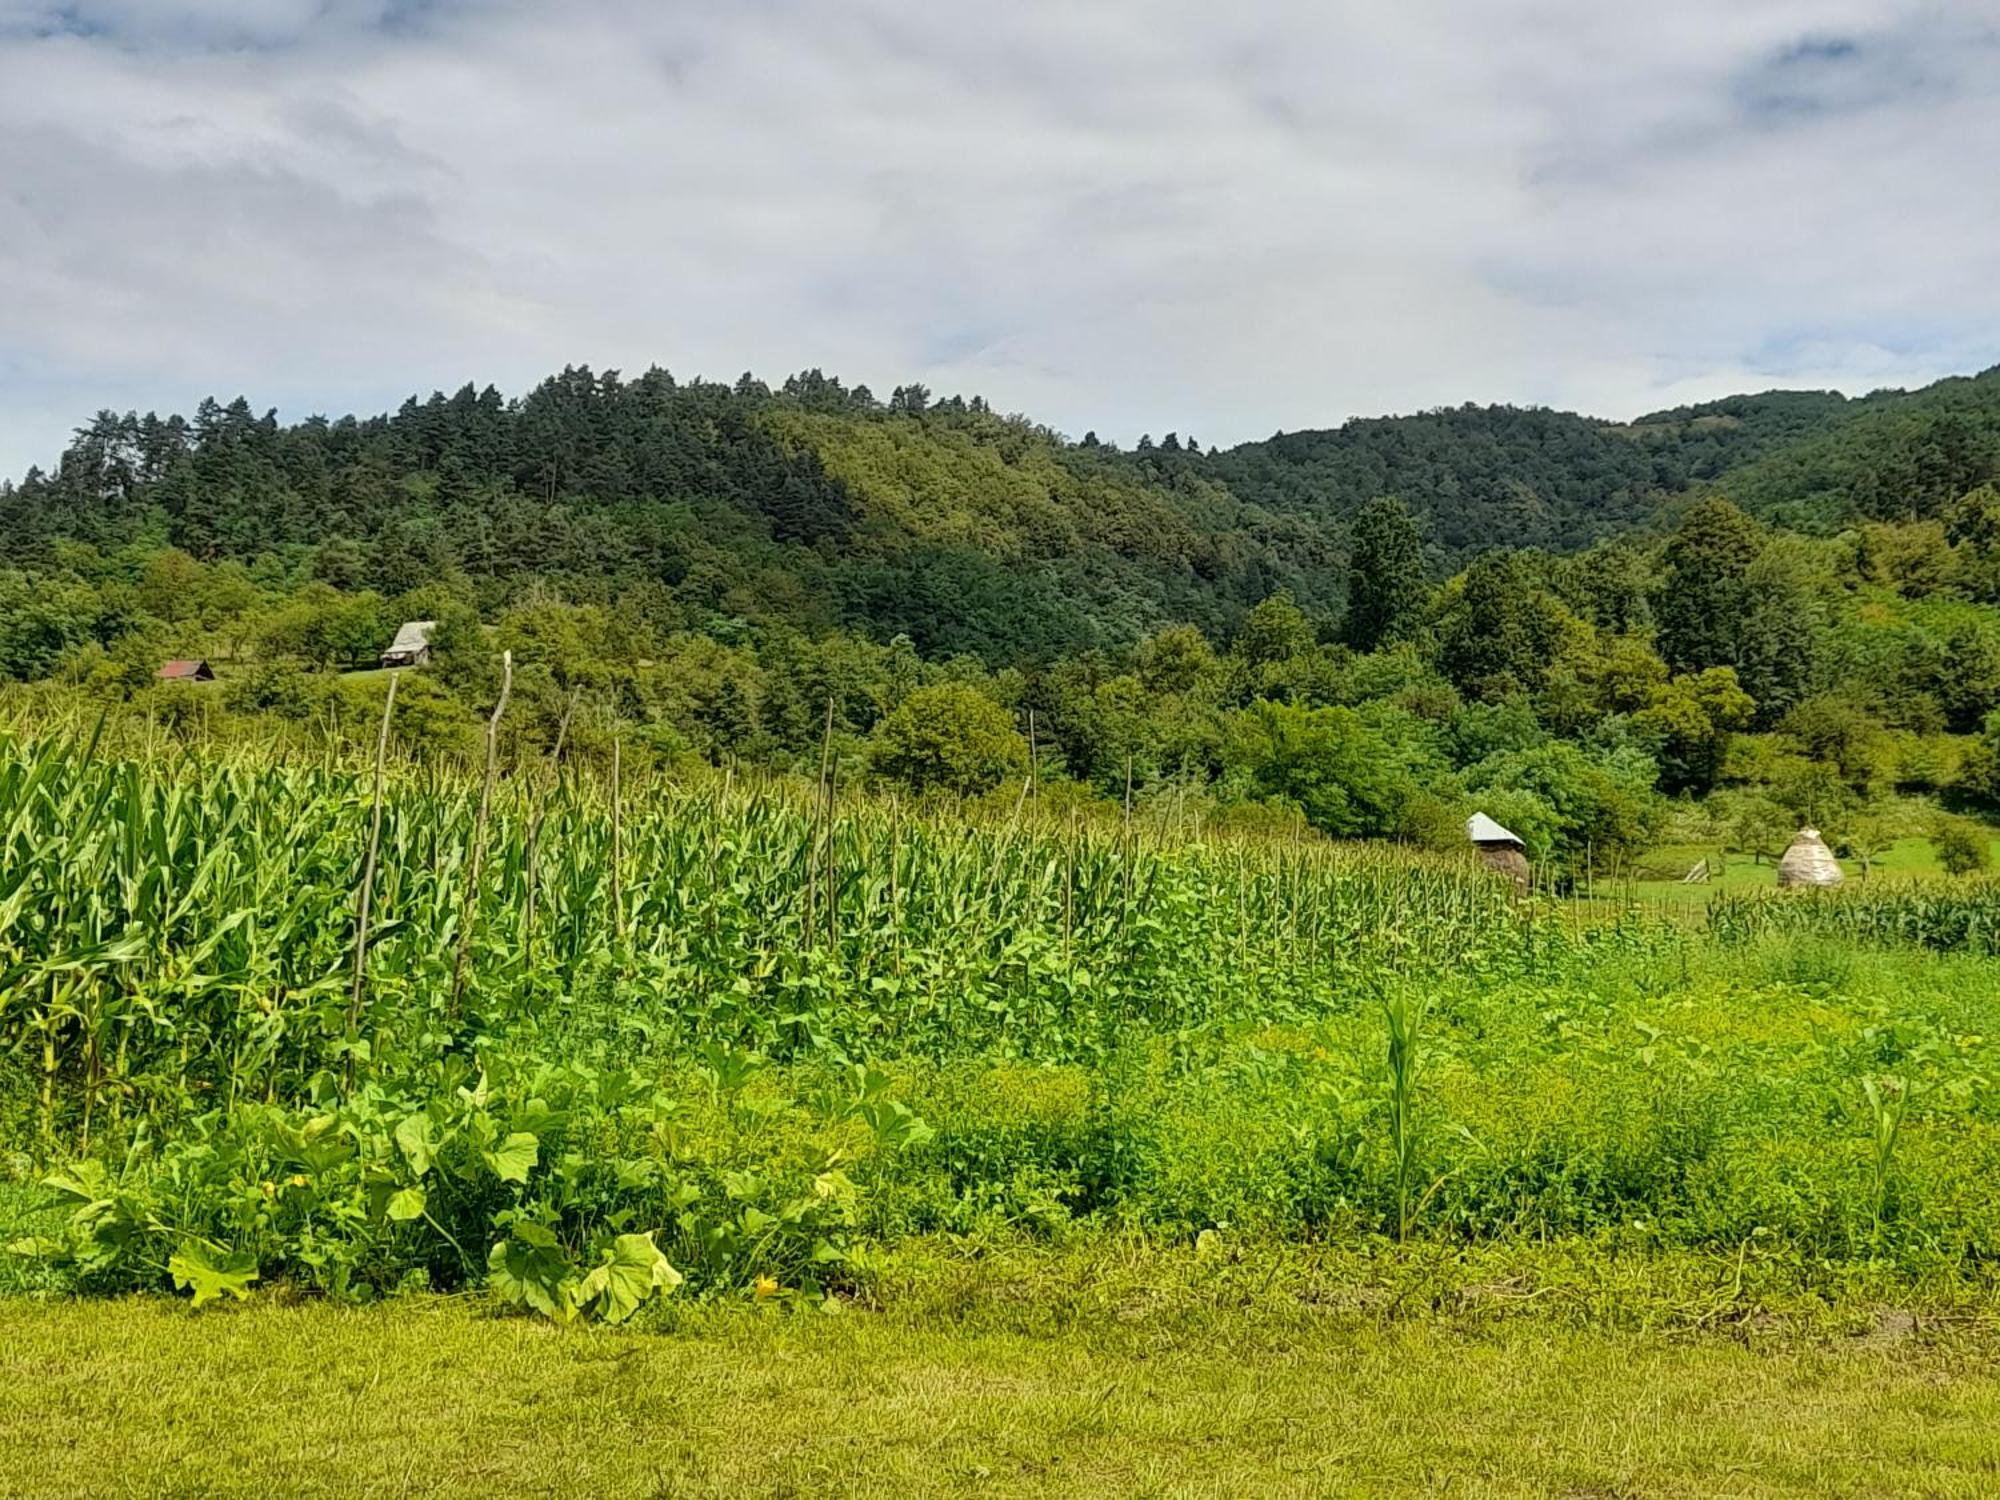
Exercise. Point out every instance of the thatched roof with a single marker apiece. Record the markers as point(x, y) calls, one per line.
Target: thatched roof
point(1809, 862)
point(414, 635)
point(1483, 830)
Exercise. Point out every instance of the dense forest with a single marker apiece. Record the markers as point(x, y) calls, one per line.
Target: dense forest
point(1730, 617)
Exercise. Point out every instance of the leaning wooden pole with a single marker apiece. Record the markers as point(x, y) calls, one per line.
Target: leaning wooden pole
point(469, 907)
point(367, 895)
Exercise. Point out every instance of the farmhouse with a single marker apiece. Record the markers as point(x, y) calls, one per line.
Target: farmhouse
point(186, 670)
point(412, 645)
point(1502, 851)
point(1809, 863)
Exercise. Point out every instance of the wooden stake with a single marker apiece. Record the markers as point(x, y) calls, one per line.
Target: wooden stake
point(468, 909)
point(528, 855)
point(617, 843)
point(1034, 765)
point(368, 876)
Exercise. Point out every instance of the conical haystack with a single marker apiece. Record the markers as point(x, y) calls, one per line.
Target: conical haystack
point(1809, 863)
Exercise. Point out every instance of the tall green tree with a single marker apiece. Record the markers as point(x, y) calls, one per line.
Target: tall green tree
point(1386, 589)
point(1726, 598)
point(1705, 589)
point(949, 737)
point(1498, 630)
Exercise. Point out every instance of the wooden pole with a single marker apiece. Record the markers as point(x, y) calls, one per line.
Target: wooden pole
point(368, 877)
point(617, 842)
point(469, 908)
point(529, 854)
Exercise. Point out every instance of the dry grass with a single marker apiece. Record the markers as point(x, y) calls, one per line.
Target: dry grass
point(146, 1398)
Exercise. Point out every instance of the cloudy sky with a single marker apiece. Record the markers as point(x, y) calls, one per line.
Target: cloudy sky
point(1218, 219)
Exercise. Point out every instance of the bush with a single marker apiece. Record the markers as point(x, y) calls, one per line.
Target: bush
point(1962, 846)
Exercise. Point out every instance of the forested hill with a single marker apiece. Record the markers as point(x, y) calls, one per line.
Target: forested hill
point(816, 505)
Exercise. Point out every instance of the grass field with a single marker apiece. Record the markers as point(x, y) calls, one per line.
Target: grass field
point(1906, 859)
point(142, 1397)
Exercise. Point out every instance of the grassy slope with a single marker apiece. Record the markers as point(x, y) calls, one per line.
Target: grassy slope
point(430, 1398)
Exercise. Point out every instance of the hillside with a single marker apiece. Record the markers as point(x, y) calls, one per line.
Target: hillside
point(818, 506)
point(813, 506)
point(1891, 457)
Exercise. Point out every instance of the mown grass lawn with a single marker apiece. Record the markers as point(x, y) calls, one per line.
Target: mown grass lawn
point(434, 1397)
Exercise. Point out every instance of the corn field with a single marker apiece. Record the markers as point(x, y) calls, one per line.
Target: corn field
point(176, 929)
point(1945, 917)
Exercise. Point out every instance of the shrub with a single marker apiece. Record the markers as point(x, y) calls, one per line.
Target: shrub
point(1962, 846)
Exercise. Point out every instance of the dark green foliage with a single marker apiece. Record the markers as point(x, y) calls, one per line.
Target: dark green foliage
point(700, 567)
point(1386, 590)
point(1706, 591)
point(1499, 631)
point(1727, 599)
point(1896, 457)
point(1481, 476)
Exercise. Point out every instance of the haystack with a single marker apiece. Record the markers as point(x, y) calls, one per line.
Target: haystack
point(1809, 863)
point(1504, 852)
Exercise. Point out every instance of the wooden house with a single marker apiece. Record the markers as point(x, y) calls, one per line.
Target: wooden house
point(412, 645)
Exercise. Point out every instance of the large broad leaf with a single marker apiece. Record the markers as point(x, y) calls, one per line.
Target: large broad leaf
point(407, 1203)
point(419, 1148)
point(633, 1270)
point(514, 1158)
point(529, 1268)
point(195, 1268)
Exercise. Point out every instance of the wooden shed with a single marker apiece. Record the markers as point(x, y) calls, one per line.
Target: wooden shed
point(412, 645)
point(1809, 864)
point(1502, 850)
point(188, 669)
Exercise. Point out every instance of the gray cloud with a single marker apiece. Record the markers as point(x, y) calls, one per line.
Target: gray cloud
point(1123, 216)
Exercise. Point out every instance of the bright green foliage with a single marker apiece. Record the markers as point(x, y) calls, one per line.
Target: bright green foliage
point(206, 1276)
point(949, 738)
point(1961, 847)
point(631, 1272)
point(1577, 806)
point(1328, 761)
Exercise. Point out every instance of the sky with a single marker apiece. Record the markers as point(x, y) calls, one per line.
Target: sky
point(1220, 220)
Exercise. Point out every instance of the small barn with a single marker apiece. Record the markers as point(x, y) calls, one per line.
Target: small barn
point(1808, 864)
point(189, 669)
point(412, 645)
point(1502, 850)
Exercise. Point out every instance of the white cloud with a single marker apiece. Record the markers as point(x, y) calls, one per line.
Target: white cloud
point(1123, 216)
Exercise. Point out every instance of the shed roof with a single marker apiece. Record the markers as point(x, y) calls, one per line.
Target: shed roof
point(184, 667)
point(1483, 830)
point(414, 635)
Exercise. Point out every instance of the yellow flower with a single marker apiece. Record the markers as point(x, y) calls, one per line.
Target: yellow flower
point(765, 1286)
point(270, 1189)
point(299, 1179)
